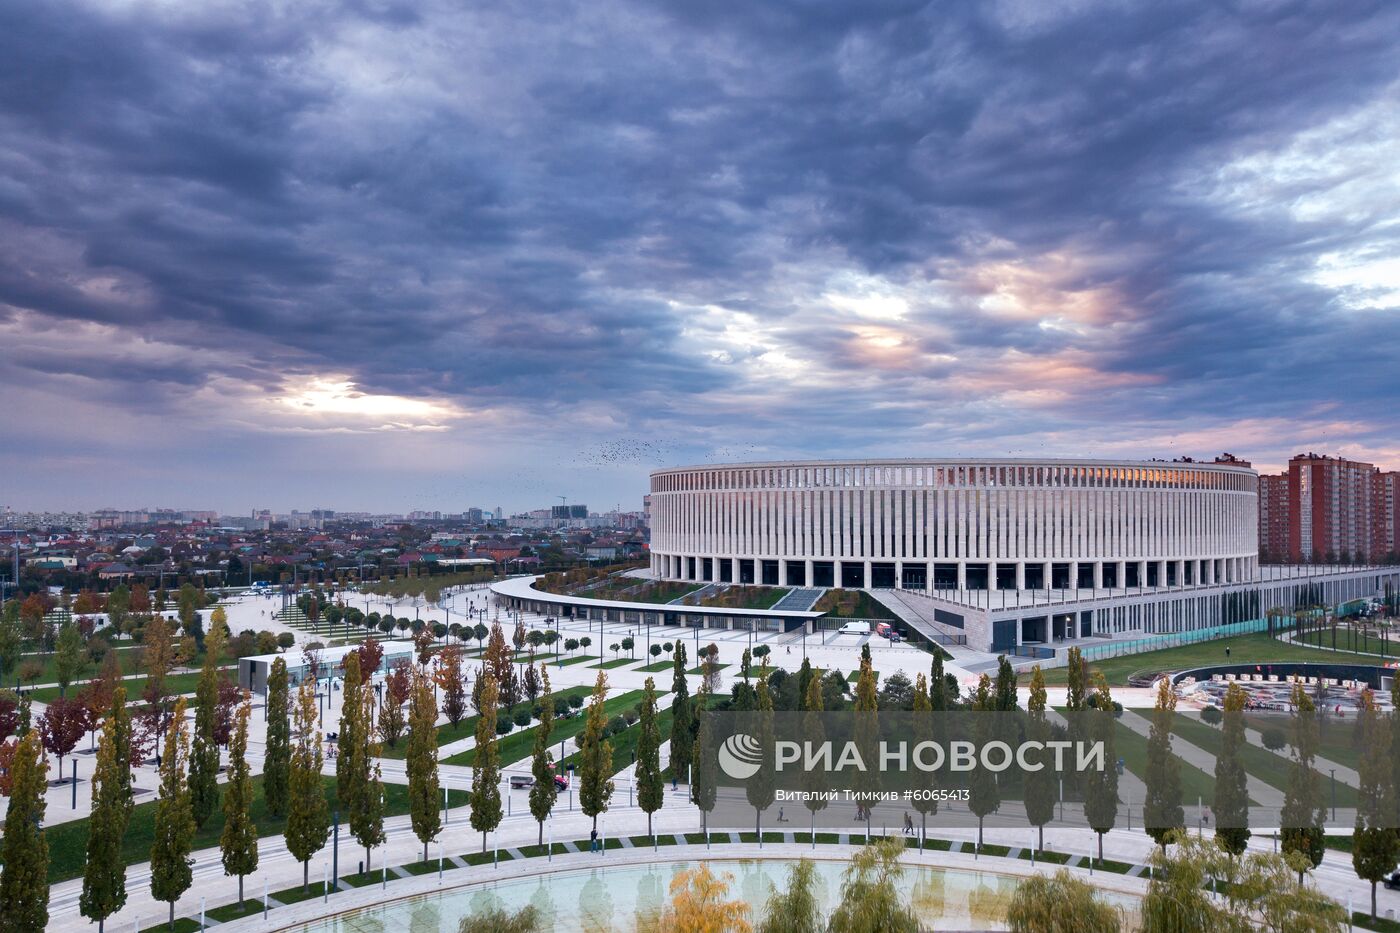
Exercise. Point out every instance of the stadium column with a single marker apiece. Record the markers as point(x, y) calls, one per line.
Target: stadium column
point(1020, 575)
point(991, 575)
point(962, 576)
point(1098, 574)
point(807, 570)
point(869, 578)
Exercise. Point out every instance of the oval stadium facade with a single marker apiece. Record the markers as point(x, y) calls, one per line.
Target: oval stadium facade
point(960, 525)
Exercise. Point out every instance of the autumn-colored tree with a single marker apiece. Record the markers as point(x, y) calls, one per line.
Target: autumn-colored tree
point(595, 755)
point(158, 657)
point(398, 686)
point(371, 655)
point(452, 683)
point(700, 903)
point(62, 725)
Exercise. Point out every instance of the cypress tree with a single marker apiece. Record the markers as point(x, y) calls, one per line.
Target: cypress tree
point(938, 685)
point(867, 738)
point(1039, 785)
point(308, 817)
point(24, 884)
point(277, 760)
point(104, 870)
point(650, 787)
point(704, 781)
point(1006, 686)
point(486, 765)
point(984, 796)
point(760, 789)
point(1162, 812)
point(1374, 842)
point(1075, 699)
point(1304, 810)
point(1231, 789)
point(682, 727)
point(543, 792)
point(239, 840)
point(204, 751)
point(923, 732)
point(1101, 788)
point(422, 762)
point(174, 821)
point(595, 755)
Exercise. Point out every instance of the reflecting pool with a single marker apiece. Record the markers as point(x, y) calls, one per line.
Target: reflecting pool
point(628, 897)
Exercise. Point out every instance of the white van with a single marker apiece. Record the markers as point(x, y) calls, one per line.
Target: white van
point(854, 628)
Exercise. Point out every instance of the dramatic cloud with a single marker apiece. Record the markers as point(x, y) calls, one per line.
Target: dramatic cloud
point(424, 254)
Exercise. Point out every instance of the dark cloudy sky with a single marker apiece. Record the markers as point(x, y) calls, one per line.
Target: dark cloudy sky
point(397, 255)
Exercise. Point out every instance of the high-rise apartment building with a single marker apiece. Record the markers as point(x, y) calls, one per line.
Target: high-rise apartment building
point(1325, 510)
point(1273, 518)
point(1385, 510)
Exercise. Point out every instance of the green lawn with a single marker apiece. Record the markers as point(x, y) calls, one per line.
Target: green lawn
point(658, 667)
point(747, 597)
point(654, 593)
point(517, 745)
point(175, 684)
point(853, 604)
point(1347, 638)
point(615, 662)
point(579, 659)
point(701, 670)
point(1258, 648)
point(1132, 748)
point(1259, 762)
point(624, 744)
point(68, 841)
point(467, 727)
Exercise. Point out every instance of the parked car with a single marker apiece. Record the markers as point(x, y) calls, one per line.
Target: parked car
point(854, 628)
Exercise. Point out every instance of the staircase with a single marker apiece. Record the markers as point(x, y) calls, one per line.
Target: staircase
point(801, 599)
point(916, 611)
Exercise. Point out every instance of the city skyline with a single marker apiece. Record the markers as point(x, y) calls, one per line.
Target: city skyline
point(395, 258)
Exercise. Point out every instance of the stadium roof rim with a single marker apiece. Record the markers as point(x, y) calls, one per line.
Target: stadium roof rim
point(963, 461)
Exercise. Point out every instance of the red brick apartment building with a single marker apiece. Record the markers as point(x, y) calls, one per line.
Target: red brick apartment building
point(1328, 509)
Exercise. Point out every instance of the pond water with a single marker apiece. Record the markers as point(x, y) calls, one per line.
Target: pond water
point(626, 898)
